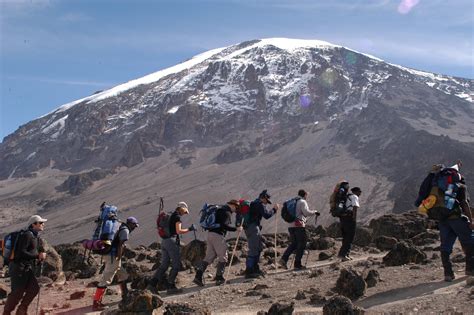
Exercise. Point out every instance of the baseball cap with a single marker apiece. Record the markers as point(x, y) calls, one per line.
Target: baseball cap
point(264, 194)
point(133, 220)
point(35, 218)
point(183, 205)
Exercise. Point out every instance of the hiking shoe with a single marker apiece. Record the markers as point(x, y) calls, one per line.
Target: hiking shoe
point(174, 290)
point(449, 278)
point(282, 263)
point(346, 258)
point(219, 280)
point(98, 306)
point(198, 281)
point(252, 275)
point(299, 267)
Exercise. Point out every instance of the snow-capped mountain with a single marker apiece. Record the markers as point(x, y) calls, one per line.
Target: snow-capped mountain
point(261, 99)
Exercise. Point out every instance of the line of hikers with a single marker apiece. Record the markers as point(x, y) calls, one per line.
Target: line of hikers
point(443, 197)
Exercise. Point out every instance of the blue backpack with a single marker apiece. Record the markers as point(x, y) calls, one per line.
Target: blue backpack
point(208, 217)
point(8, 246)
point(288, 212)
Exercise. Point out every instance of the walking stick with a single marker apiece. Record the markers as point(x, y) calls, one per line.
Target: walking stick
point(307, 256)
point(39, 290)
point(233, 254)
point(276, 228)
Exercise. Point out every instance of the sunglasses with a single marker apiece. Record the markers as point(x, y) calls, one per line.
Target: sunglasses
point(42, 223)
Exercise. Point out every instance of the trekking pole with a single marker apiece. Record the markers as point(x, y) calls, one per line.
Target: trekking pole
point(233, 254)
point(39, 290)
point(195, 238)
point(276, 228)
point(307, 256)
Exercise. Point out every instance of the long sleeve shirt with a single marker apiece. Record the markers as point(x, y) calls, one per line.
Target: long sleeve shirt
point(27, 248)
point(302, 213)
point(258, 211)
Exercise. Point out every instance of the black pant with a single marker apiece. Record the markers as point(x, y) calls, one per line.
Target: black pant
point(298, 241)
point(348, 229)
point(24, 288)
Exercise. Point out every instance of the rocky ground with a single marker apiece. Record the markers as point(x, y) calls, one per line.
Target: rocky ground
point(388, 275)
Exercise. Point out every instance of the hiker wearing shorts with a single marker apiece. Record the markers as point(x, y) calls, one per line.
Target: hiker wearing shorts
point(170, 252)
point(216, 243)
point(113, 264)
point(22, 269)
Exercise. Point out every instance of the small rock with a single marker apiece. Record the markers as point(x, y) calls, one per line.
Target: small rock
point(325, 255)
point(260, 287)
point(415, 267)
point(316, 273)
point(265, 296)
point(300, 295)
point(317, 299)
point(281, 309)
point(77, 295)
point(340, 305)
point(372, 278)
point(252, 293)
point(470, 281)
point(66, 306)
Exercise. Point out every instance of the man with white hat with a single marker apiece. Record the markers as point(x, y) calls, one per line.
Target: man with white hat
point(170, 250)
point(28, 250)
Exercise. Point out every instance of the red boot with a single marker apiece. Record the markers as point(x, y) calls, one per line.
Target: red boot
point(97, 304)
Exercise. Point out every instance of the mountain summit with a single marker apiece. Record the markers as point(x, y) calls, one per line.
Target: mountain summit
point(270, 113)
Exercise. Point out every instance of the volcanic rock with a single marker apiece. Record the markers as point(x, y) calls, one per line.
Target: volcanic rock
point(350, 284)
point(402, 254)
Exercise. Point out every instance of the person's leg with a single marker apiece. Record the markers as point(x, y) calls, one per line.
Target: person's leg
point(447, 237)
point(345, 237)
point(466, 238)
point(220, 246)
point(208, 259)
point(291, 248)
point(301, 238)
point(253, 243)
point(164, 264)
point(32, 289)
point(19, 280)
point(175, 265)
point(351, 225)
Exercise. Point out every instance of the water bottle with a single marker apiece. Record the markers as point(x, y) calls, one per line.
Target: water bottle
point(449, 202)
point(449, 191)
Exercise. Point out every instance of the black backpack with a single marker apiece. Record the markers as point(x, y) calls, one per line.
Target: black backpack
point(337, 201)
point(288, 212)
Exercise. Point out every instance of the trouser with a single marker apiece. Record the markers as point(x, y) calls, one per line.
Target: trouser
point(298, 239)
point(169, 256)
point(113, 267)
point(449, 230)
point(348, 229)
point(255, 246)
point(216, 248)
point(24, 288)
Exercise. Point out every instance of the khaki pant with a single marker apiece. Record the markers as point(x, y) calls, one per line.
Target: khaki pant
point(216, 247)
point(113, 267)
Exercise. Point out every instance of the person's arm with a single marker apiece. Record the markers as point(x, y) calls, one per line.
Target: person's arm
point(355, 206)
point(267, 214)
point(305, 209)
point(227, 219)
point(120, 248)
point(179, 229)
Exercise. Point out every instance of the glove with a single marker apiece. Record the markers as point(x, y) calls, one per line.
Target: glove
point(192, 228)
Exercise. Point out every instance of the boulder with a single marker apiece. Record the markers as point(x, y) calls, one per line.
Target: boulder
point(385, 242)
point(425, 238)
point(77, 295)
point(73, 259)
point(317, 299)
point(194, 252)
point(372, 278)
point(53, 264)
point(404, 253)
point(281, 309)
point(184, 308)
point(319, 230)
point(401, 226)
point(341, 305)
point(129, 253)
point(350, 284)
point(321, 243)
point(325, 255)
point(334, 230)
point(363, 236)
point(140, 301)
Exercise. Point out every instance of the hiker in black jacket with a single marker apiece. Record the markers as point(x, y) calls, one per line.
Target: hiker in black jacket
point(22, 269)
point(216, 243)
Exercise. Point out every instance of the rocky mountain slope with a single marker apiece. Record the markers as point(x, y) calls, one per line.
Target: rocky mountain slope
point(274, 113)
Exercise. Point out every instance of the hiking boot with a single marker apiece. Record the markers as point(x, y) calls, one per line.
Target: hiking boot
point(299, 267)
point(283, 263)
point(198, 278)
point(98, 306)
point(220, 280)
point(346, 258)
point(172, 289)
point(449, 278)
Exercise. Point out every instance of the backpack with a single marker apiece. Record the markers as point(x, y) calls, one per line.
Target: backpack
point(208, 217)
point(440, 202)
point(8, 245)
point(338, 198)
point(244, 211)
point(163, 224)
point(107, 226)
point(288, 212)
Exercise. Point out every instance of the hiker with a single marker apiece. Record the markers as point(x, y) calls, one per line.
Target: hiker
point(348, 223)
point(170, 251)
point(216, 243)
point(458, 225)
point(297, 231)
point(253, 229)
point(113, 264)
point(27, 252)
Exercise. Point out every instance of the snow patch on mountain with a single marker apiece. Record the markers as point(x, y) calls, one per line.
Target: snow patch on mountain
point(57, 125)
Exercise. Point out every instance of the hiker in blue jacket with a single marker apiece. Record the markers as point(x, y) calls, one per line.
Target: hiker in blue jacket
point(253, 233)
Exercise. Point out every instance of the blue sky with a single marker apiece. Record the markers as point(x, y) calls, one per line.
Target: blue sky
point(57, 51)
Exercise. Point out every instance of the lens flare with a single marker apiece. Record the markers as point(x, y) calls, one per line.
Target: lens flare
point(305, 100)
point(328, 77)
point(350, 58)
point(406, 6)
